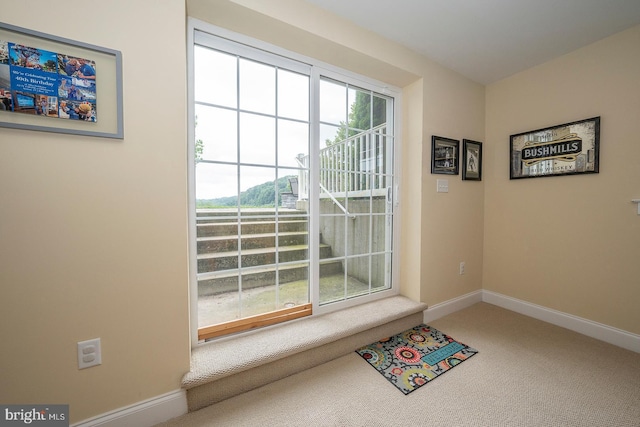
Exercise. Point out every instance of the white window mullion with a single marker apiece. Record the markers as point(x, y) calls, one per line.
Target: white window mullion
point(314, 190)
point(238, 185)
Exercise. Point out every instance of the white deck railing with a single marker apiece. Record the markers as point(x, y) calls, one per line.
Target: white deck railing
point(356, 165)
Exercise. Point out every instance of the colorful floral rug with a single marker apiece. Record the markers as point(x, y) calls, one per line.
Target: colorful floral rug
point(414, 357)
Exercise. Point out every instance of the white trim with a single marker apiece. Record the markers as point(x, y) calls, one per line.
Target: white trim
point(206, 39)
point(599, 331)
point(191, 186)
point(355, 301)
point(313, 193)
point(142, 414)
point(451, 306)
point(583, 326)
point(205, 27)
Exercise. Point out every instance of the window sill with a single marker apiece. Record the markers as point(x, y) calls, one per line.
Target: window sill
point(218, 360)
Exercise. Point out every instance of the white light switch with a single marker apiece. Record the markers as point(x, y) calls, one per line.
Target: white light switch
point(443, 186)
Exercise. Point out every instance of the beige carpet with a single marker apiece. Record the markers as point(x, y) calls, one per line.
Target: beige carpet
point(527, 373)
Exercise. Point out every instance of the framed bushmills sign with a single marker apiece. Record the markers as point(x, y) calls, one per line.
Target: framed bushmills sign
point(568, 149)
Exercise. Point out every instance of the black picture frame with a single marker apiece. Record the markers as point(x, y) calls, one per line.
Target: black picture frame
point(567, 149)
point(471, 160)
point(445, 155)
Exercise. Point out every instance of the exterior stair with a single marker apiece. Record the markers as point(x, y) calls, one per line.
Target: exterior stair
point(218, 254)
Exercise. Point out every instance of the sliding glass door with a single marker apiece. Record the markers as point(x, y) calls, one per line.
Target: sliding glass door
point(292, 180)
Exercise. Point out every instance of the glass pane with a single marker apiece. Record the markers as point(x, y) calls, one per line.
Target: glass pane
point(216, 186)
point(358, 276)
point(216, 134)
point(371, 154)
point(215, 77)
point(293, 241)
point(331, 135)
point(358, 204)
point(293, 143)
point(379, 222)
point(288, 189)
point(257, 87)
point(219, 308)
point(332, 252)
point(293, 95)
point(293, 285)
point(359, 110)
point(379, 111)
point(303, 188)
point(358, 181)
point(380, 154)
point(257, 186)
point(257, 297)
point(257, 139)
point(333, 102)
point(358, 234)
point(332, 281)
point(380, 272)
point(355, 165)
point(332, 180)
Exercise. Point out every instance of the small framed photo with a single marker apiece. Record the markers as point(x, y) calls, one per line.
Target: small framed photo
point(445, 154)
point(471, 160)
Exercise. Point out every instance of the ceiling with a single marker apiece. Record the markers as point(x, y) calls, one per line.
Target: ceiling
point(487, 40)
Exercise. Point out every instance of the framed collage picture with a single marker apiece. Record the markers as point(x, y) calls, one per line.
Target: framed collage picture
point(53, 84)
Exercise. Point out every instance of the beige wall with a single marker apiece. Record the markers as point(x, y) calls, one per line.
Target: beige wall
point(93, 231)
point(569, 243)
point(452, 223)
point(410, 197)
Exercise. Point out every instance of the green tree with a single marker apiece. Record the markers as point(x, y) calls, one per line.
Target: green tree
point(199, 145)
point(360, 116)
point(259, 196)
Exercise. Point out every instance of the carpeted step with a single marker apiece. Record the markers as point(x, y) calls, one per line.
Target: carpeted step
point(226, 368)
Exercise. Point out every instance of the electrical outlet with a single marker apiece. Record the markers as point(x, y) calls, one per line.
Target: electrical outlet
point(89, 353)
point(462, 267)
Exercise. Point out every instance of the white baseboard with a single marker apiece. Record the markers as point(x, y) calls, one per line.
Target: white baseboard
point(451, 306)
point(583, 326)
point(142, 414)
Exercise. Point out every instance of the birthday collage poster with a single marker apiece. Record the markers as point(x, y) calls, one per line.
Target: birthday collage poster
point(47, 84)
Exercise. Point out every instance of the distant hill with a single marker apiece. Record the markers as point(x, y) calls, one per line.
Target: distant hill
point(260, 196)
